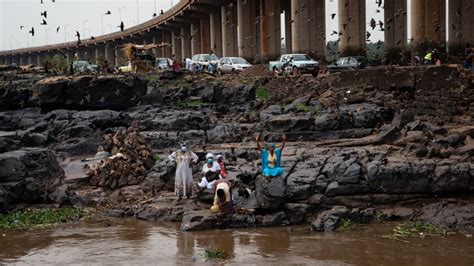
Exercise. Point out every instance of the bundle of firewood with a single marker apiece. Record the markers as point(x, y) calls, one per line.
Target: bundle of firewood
point(130, 161)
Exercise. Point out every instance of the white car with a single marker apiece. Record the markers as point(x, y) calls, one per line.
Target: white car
point(232, 65)
point(163, 63)
point(200, 62)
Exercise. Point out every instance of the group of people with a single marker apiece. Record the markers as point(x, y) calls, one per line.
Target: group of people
point(215, 176)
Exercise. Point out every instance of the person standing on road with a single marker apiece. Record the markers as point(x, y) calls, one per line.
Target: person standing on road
point(184, 159)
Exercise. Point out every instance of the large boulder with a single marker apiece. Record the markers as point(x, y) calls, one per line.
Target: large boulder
point(29, 176)
point(286, 123)
point(14, 96)
point(328, 220)
point(271, 192)
point(88, 92)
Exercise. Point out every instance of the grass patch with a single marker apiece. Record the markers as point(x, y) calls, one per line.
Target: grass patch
point(414, 228)
point(301, 107)
point(156, 157)
point(151, 78)
point(193, 103)
point(345, 224)
point(31, 218)
point(262, 93)
point(210, 254)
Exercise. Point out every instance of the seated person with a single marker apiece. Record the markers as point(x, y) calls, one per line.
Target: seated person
point(222, 196)
point(271, 158)
point(220, 161)
point(211, 171)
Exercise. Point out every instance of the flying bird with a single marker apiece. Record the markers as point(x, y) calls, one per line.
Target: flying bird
point(41, 1)
point(32, 31)
point(122, 26)
point(21, 27)
point(379, 3)
point(108, 12)
point(44, 22)
point(373, 24)
point(154, 14)
point(368, 35)
point(161, 12)
point(92, 38)
point(57, 29)
point(44, 14)
point(333, 15)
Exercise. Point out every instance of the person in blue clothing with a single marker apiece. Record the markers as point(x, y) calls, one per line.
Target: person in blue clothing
point(271, 157)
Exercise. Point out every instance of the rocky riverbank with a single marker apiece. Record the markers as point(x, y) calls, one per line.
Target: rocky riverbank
point(361, 147)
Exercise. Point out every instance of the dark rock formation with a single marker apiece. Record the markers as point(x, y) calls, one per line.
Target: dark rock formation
point(88, 92)
point(30, 176)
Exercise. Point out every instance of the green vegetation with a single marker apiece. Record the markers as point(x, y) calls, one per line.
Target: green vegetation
point(301, 107)
point(151, 78)
point(262, 93)
point(156, 157)
point(31, 218)
point(193, 103)
point(59, 62)
point(345, 224)
point(215, 254)
point(413, 228)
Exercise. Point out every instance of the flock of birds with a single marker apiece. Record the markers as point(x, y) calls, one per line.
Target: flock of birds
point(373, 24)
point(44, 16)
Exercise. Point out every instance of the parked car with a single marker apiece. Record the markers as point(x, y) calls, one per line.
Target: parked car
point(125, 69)
point(346, 63)
point(228, 65)
point(163, 63)
point(200, 62)
point(84, 67)
point(298, 63)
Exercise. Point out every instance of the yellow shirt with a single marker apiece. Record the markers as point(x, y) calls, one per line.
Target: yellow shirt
point(272, 160)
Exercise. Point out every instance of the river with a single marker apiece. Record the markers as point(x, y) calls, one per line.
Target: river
point(128, 241)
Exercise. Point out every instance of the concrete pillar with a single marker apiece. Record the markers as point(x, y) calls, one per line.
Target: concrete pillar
point(158, 39)
point(215, 24)
point(270, 29)
point(30, 59)
point(185, 42)
point(428, 25)
point(461, 28)
point(229, 30)
point(39, 60)
point(309, 27)
point(166, 40)
point(155, 41)
point(286, 7)
point(195, 38)
point(176, 44)
point(205, 35)
point(99, 54)
point(352, 24)
point(395, 29)
point(247, 24)
point(109, 54)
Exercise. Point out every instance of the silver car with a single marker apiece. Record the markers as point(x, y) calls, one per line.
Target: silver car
point(232, 65)
point(163, 63)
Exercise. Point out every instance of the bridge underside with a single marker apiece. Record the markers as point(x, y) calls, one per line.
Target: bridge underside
point(252, 29)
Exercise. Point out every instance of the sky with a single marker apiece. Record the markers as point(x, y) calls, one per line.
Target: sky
point(88, 17)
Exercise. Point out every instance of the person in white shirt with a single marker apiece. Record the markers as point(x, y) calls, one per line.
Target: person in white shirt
point(184, 159)
point(211, 171)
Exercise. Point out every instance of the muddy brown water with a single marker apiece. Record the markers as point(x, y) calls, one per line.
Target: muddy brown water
point(128, 241)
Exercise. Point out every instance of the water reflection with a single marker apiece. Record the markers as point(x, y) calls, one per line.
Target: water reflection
point(138, 242)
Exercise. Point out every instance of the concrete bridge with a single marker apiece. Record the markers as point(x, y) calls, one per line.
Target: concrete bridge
point(251, 29)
